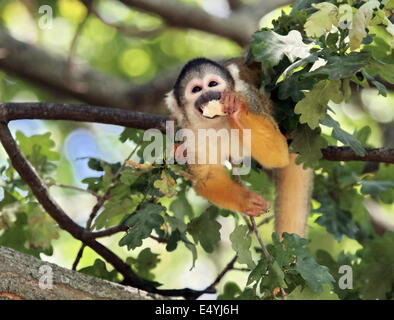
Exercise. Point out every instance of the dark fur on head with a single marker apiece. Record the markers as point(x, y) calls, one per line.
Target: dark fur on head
point(199, 67)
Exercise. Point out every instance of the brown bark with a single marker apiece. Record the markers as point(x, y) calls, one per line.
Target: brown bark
point(20, 276)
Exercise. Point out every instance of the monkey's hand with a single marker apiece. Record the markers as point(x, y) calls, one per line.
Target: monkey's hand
point(268, 146)
point(255, 205)
point(214, 183)
point(233, 104)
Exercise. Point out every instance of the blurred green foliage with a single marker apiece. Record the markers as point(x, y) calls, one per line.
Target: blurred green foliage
point(157, 200)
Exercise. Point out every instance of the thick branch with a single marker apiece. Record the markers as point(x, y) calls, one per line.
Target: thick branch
point(20, 276)
point(238, 27)
point(347, 154)
point(41, 68)
point(140, 120)
point(78, 112)
point(182, 15)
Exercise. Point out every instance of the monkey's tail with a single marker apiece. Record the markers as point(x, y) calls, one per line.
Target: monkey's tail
point(293, 196)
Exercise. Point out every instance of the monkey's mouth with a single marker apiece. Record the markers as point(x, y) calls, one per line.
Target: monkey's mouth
point(204, 99)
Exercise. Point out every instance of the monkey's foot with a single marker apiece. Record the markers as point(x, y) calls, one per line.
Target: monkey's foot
point(255, 205)
point(232, 103)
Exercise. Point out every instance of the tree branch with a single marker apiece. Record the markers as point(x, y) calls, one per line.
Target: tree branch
point(140, 120)
point(41, 68)
point(385, 155)
point(238, 27)
point(37, 186)
point(182, 15)
point(79, 112)
point(20, 276)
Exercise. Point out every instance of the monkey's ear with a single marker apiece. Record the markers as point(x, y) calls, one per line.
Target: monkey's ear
point(173, 106)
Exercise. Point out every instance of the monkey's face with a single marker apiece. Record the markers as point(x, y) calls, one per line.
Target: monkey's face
point(200, 90)
point(200, 81)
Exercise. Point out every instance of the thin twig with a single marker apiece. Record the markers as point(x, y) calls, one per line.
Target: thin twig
point(241, 269)
point(260, 240)
point(159, 240)
point(265, 221)
point(220, 276)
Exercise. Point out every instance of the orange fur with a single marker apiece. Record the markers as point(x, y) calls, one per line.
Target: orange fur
point(214, 183)
point(269, 146)
point(293, 189)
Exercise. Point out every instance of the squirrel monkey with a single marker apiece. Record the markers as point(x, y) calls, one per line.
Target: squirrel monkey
point(233, 84)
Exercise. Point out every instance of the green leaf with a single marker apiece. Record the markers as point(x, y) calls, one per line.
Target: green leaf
point(340, 67)
point(389, 4)
point(205, 230)
point(189, 245)
point(181, 207)
point(352, 201)
point(313, 107)
point(258, 272)
point(166, 184)
point(337, 221)
point(42, 229)
point(145, 263)
point(270, 47)
point(15, 237)
point(299, 63)
point(128, 176)
point(240, 242)
point(131, 134)
point(363, 134)
point(42, 142)
point(277, 273)
point(295, 86)
point(374, 187)
point(386, 173)
point(293, 249)
point(308, 143)
point(114, 211)
point(341, 135)
point(230, 291)
point(176, 224)
point(99, 270)
point(260, 183)
point(142, 224)
point(361, 20)
point(38, 150)
point(378, 85)
point(314, 274)
point(322, 20)
point(382, 70)
point(324, 258)
point(377, 268)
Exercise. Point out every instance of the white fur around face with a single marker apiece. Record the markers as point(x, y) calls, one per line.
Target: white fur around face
point(172, 105)
point(240, 85)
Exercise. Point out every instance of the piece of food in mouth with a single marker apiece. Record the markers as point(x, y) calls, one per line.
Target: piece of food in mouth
point(212, 109)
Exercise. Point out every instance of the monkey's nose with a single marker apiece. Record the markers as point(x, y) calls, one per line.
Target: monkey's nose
point(206, 97)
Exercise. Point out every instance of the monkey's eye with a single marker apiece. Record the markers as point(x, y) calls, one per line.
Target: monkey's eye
point(196, 89)
point(212, 84)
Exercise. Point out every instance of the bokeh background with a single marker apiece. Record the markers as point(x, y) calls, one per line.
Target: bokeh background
point(152, 49)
